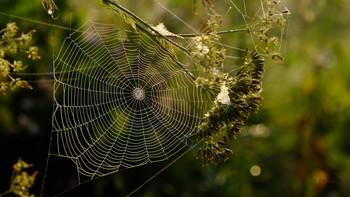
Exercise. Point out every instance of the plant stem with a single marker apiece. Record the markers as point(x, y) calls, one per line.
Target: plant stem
point(6, 192)
point(218, 32)
point(140, 21)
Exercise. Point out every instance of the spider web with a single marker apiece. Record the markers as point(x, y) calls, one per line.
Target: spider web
point(122, 100)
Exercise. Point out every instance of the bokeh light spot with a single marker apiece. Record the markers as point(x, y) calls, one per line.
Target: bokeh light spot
point(255, 170)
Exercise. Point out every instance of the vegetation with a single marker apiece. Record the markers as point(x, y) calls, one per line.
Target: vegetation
point(10, 45)
point(21, 180)
point(298, 139)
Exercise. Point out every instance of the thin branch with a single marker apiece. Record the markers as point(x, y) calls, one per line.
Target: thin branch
point(148, 28)
point(218, 32)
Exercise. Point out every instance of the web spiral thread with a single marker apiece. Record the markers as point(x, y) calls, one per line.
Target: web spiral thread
point(120, 101)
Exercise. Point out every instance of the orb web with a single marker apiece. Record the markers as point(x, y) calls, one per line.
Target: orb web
point(120, 98)
point(120, 101)
point(139, 94)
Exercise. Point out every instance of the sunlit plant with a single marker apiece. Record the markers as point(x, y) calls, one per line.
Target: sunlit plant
point(10, 46)
point(22, 180)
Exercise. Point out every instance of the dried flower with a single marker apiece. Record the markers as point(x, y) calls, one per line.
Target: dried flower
point(17, 66)
point(33, 53)
point(26, 38)
point(10, 31)
point(3, 87)
point(4, 67)
point(21, 181)
point(14, 45)
point(2, 53)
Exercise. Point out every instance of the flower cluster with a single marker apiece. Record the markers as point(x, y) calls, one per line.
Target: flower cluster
point(21, 181)
point(11, 45)
point(208, 57)
point(271, 20)
point(205, 51)
point(225, 120)
point(237, 95)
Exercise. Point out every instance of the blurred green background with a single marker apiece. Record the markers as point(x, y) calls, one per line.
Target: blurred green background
point(299, 139)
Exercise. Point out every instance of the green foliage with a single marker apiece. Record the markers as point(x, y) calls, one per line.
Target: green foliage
point(12, 45)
